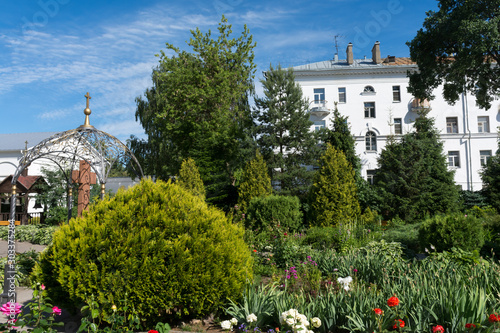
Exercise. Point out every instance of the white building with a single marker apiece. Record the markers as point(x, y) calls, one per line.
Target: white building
point(373, 94)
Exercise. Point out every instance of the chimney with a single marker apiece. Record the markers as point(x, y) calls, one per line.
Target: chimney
point(376, 53)
point(350, 56)
point(336, 57)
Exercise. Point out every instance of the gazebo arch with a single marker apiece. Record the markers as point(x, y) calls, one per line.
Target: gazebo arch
point(66, 149)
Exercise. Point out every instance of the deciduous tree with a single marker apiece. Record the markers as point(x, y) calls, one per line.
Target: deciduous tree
point(459, 46)
point(197, 108)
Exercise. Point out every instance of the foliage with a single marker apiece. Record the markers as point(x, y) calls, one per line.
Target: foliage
point(341, 138)
point(123, 318)
point(53, 195)
point(406, 234)
point(157, 246)
point(40, 316)
point(472, 199)
point(430, 291)
point(198, 108)
point(459, 46)
point(24, 266)
point(284, 132)
point(34, 234)
point(333, 196)
point(189, 178)
point(255, 182)
point(490, 175)
point(322, 238)
point(413, 177)
point(454, 230)
point(274, 209)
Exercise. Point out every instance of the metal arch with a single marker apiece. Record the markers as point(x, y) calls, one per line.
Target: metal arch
point(99, 149)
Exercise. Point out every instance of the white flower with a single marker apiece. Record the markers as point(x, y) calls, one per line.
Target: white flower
point(251, 318)
point(316, 322)
point(226, 325)
point(345, 282)
point(310, 331)
point(300, 329)
point(234, 321)
point(303, 320)
point(290, 321)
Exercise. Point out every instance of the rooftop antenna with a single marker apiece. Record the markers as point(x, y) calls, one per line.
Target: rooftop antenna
point(336, 37)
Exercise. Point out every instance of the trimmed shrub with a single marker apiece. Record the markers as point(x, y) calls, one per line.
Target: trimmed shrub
point(157, 246)
point(455, 230)
point(255, 181)
point(190, 179)
point(333, 196)
point(264, 212)
point(322, 238)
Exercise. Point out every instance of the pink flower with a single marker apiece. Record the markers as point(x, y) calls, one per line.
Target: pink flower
point(42, 287)
point(6, 308)
point(56, 311)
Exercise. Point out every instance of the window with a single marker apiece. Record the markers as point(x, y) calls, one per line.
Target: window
point(484, 155)
point(370, 175)
point(369, 90)
point(398, 126)
point(342, 95)
point(483, 124)
point(396, 93)
point(369, 109)
point(452, 125)
point(319, 124)
point(371, 141)
point(319, 95)
point(454, 159)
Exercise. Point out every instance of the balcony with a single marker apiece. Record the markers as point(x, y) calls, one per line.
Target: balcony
point(419, 105)
point(318, 108)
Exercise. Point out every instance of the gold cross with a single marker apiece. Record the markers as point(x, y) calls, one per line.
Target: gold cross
point(88, 98)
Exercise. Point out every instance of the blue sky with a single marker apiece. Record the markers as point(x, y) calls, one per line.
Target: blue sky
point(53, 51)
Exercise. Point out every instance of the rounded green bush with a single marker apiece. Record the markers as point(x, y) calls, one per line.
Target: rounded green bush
point(158, 247)
point(267, 211)
point(454, 230)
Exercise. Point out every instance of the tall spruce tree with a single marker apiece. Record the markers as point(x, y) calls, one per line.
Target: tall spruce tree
point(255, 181)
point(198, 108)
point(490, 175)
point(284, 132)
point(333, 197)
point(190, 179)
point(413, 175)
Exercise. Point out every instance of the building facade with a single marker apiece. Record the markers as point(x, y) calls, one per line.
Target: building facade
point(373, 94)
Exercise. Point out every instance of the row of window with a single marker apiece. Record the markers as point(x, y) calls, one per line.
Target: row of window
point(453, 161)
point(483, 124)
point(319, 95)
point(454, 158)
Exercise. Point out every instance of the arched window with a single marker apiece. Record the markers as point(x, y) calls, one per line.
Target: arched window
point(371, 141)
point(369, 89)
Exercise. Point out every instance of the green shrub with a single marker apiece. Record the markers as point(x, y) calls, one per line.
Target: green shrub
point(455, 230)
point(35, 234)
point(321, 238)
point(265, 211)
point(255, 181)
point(405, 234)
point(190, 179)
point(157, 246)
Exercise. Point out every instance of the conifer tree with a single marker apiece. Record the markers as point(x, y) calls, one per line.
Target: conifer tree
point(490, 175)
point(284, 132)
point(333, 196)
point(413, 175)
point(190, 179)
point(255, 181)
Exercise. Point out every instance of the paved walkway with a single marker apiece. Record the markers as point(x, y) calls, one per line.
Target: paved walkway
point(25, 295)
